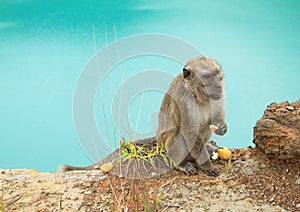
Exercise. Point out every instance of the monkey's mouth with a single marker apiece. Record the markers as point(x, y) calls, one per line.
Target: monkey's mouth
point(215, 94)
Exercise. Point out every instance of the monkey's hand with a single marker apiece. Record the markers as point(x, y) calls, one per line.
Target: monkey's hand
point(221, 129)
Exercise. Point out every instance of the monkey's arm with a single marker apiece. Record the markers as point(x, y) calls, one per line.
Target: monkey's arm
point(111, 157)
point(218, 116)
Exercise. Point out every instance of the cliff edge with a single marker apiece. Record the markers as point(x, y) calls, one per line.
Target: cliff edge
point(264, 178)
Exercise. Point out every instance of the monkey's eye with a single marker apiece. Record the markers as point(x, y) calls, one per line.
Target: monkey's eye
point(186, 73)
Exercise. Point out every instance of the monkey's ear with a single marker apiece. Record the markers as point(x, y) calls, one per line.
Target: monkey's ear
point(186, 73)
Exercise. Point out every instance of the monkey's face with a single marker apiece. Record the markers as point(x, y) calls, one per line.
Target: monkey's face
point(204, 77)
point(212, 83)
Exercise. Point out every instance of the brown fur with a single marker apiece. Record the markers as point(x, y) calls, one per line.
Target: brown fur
point(189, 107)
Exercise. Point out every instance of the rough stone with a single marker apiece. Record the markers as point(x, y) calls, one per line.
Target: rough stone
point(297, 182)
point(277, 133)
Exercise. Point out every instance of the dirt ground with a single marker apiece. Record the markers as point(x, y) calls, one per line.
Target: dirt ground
point(253, 182)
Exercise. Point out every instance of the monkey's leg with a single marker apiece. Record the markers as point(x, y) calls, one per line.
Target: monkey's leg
point(188, 167)
point(151, 140)
point(179, 153)
point(204, 160)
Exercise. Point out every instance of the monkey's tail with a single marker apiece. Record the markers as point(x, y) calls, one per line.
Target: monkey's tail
point(111, 157)
point(67, 168)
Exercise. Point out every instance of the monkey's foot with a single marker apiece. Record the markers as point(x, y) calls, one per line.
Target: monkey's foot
point(211, 172)
point(189, 168)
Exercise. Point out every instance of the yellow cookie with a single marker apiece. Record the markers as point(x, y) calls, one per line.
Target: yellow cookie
point(106, 167)
point(224, 153)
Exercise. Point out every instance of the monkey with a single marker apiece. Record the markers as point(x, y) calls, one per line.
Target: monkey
point(194, 101)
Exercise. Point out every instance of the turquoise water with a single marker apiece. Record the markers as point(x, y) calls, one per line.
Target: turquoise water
point(44, 46)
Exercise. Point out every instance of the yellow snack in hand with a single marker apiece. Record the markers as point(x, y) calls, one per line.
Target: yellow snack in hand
point(213, 128)
point(106, 167)
point(224, 153)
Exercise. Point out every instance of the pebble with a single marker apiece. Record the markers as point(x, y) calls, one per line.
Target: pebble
point(262, 165)
point(185, 191)
point(247, 157)
point(248, 171)
point(297, 182)
point(290, 108)
point(298, 205)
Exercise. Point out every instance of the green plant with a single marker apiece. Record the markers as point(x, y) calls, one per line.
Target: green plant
point(228, 165)
point(2, 199)
point(145, 152)
point(130, 194)
point(204, 198)
point(134, 194)
point(150, 200)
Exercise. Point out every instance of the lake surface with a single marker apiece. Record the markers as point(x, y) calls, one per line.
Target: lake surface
point(46, 45)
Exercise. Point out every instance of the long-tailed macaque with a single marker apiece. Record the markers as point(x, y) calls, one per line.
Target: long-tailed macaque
point(195, 100)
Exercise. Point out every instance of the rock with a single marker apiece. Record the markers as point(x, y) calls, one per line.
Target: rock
point(95, 191)
point(277, 133)
point(248, 171)
point(290, 108)
point(297, 182)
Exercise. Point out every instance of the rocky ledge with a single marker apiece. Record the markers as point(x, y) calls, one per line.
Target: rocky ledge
point(265, 178)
